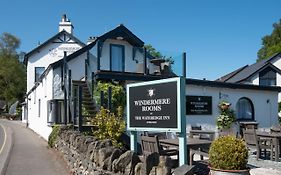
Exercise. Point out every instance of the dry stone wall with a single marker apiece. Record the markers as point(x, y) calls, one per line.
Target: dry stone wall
point(85, 155)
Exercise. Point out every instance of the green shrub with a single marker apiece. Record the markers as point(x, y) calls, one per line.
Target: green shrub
point(118, 97)
point(109, 126)
point(53, 136)
point(228, 153)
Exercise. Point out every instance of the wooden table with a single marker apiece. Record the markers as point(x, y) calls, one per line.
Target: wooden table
point(191, 143)
point(202, 132)
point(276, 138)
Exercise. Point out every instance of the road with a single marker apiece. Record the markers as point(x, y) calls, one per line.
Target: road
point(30, 155)
point(2, 137)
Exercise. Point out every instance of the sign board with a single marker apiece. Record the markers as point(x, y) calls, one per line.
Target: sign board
point(198, 105)
point(155, 105)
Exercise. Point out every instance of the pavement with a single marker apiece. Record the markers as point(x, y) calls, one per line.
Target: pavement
point(26, 153)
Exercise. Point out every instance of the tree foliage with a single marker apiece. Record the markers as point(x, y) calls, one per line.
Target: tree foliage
point(271, 44)
point(12, 72)
point(155, 53)
point(152, 51)
point(118, 96)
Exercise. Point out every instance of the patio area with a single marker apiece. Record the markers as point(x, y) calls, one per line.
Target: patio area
point(199, 141)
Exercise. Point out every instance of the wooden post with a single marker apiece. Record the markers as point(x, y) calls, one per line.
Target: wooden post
point(69, 97)
point(102, 98)
point(109, 103)
point(64, 88)
point(144, 63)
point(86, 70)
point(98, 55)
point(75, 106)
point(80, 117)
point(184, 64)
point(93, 84)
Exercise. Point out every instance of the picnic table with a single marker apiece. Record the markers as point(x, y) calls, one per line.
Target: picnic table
point(276, 139)
point(191, 143)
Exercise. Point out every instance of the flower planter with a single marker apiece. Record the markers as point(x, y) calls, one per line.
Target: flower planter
point(229, 172)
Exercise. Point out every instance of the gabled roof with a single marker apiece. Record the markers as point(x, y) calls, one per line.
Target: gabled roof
point(119, 31)
point(63, 32)
point(246, 72)
point(125, 33)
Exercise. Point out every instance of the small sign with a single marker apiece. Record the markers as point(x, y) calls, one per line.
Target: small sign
point(154, 105)
point(198, 105)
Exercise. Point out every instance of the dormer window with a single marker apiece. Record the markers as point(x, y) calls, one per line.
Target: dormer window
point(267, 77)
point(38, 72)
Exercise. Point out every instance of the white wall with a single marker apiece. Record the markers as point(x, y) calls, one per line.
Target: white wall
point(77, 67)
point(43, 58)
point(44, 92)
point(265, 113)
point(130, 64)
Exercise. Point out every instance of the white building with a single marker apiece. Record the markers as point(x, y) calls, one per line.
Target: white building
point(55, 70)
point(266, 72)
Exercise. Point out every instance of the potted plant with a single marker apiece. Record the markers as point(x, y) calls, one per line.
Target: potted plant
point(228, 155)
point(226, 118)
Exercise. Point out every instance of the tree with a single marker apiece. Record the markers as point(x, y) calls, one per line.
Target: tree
point(271, 44)
point(12, 73)
point(9, 43)
point(153, 52)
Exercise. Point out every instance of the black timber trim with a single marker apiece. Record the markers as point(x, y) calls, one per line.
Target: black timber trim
point(84, 48)
point(231, 85)
point(63, 32)
point(127, 34)
point(123, 55)
point(114, 75)
point(261, 69)
point(274, 56)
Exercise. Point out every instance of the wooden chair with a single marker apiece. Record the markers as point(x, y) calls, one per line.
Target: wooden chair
point(150, 145)
point(253, 141)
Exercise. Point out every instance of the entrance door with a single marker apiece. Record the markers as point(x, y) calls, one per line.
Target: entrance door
point(117, 58)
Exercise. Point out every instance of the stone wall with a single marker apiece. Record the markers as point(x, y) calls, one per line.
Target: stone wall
point(86, 155)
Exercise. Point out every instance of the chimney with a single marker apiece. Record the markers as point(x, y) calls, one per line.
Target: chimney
point(65, 24)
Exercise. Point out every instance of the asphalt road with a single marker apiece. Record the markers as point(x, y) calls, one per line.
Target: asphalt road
point(2, 137)
point(30, 155)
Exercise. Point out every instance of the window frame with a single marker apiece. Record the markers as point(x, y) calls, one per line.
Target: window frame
point(123, 56)
point(265, 77)
point(35, 68)
point(252, 110)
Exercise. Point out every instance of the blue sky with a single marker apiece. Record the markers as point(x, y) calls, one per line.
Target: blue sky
point(218, 36)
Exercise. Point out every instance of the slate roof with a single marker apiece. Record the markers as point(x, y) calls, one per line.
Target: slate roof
point(246, 72)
